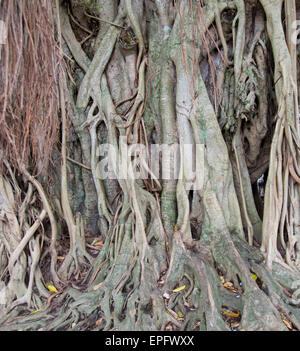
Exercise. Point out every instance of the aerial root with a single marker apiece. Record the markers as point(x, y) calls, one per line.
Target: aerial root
point(77, 255)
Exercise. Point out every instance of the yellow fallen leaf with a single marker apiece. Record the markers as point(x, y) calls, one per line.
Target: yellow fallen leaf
point(175, 229)
point(254, 276)
point(73, 325)
point(231, 314)
point(179, 289)
point(34, 312)
point(180, 314)
point(52, 288)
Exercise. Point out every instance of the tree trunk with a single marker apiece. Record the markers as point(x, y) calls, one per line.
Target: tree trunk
point(150, 89)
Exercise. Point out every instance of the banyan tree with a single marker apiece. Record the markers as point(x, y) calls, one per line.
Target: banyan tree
point(97, 98)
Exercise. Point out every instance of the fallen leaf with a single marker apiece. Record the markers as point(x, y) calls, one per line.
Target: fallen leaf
point(34, 312)
point(285, 321)
point(254, 276)
point(52, 288)
point(288, 324)
point(98, 243)
point(73, 325)
point(231, 314)
point(229, 286)
point(179, 289)
point(180, 314)
point(96, 287)
point(60, 258)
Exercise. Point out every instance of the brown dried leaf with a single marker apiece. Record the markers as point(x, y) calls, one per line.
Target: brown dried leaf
point(229, 286)
point(98, 243)
point(286, 322)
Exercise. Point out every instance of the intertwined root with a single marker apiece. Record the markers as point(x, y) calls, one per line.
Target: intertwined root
point(123, 301)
